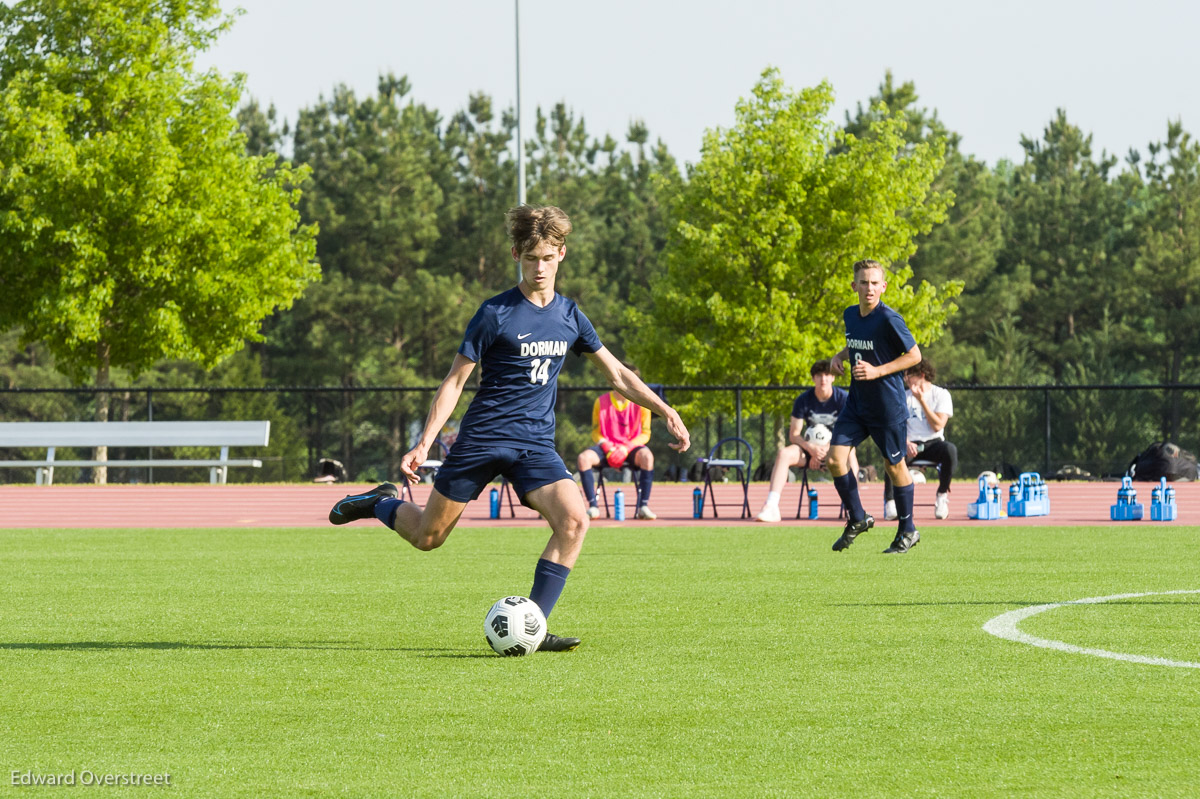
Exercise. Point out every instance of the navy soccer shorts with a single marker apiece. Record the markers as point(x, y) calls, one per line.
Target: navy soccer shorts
point(892, 439)
point(468, 469)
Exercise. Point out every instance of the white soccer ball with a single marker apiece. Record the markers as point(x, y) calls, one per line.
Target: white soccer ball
point(818, 434)
point(515, 626)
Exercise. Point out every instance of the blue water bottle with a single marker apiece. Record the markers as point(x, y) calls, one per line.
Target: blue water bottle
point(494, 504)
point(697, 503)
point(812, 503)
point(619, 505)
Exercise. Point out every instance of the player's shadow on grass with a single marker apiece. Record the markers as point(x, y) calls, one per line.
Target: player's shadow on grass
point(105, 646)
point(1018, 604)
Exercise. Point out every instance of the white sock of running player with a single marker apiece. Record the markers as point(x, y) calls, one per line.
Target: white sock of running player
point(772, 499)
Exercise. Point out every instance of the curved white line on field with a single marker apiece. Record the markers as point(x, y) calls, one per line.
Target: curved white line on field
point(1005, 626)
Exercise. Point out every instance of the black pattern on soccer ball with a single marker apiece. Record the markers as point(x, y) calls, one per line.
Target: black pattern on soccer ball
point(531, 624)
point(500, 624)
point(515, 650)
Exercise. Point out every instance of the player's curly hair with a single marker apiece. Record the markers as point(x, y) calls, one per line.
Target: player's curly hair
point(530, 225)
point(923, 369)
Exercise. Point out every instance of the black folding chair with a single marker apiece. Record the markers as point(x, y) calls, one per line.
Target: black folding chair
point(506, 492)
point(730, 454)
point(800, 514)
point(602, 490)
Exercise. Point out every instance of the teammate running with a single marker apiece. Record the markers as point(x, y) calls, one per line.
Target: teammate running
point(881, 348)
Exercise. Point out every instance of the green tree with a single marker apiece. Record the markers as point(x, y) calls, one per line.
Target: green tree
point(390, 310)
point(992, 428)
point(481, 187)
point(133, 224)
point(263, 136)
point(612, 193)
point(630, 217)
point(561, 171)
point(1062, 249)
point(964, 247)
point(29, 365)
point(1167, 267)
point(756, 270)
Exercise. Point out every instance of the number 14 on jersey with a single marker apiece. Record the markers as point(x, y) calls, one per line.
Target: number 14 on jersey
point(540, 370)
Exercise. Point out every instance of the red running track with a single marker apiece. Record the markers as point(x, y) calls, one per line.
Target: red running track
point(305, 505)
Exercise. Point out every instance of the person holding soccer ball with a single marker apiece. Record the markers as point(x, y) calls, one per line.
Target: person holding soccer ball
point(520, 339)
point(816, 408)
point(879, 348)
point(621, 430)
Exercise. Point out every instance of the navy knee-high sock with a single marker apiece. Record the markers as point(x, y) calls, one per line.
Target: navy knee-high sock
point(645, 480)
point(548, 581)
point(847, 488)
point(904, 508)
point(589, 485)
point(385, 511)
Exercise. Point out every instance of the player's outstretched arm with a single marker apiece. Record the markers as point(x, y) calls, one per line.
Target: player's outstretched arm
point(634, 389)
point(444, 402)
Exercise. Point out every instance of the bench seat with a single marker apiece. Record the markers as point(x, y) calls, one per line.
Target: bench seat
point(51, 435)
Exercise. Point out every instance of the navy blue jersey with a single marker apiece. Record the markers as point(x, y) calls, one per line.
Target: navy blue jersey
point(520, 349)
point(879, 337)
point(814, 412)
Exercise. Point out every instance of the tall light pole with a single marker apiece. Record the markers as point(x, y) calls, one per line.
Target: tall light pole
point(520, 141)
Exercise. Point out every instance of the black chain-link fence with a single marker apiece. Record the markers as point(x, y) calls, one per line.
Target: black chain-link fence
point(1097, 429)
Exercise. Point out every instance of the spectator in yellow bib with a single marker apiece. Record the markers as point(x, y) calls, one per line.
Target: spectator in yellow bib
point(621, 430)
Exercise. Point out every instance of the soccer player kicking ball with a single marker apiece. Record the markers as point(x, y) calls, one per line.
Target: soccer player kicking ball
point(880, 349)
point(520, 339)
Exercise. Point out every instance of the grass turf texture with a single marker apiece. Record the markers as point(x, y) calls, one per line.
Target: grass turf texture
point(715, 662)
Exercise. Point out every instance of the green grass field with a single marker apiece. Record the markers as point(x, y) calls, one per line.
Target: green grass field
point(716, 663)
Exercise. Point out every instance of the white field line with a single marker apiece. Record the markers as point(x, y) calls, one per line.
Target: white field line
point(1005, 626)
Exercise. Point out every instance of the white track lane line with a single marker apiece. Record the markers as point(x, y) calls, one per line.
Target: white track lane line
point(1005, 626)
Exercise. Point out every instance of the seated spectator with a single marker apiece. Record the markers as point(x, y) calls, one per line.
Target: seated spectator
point(813, 415)
point(621, 430)
point(929, 408)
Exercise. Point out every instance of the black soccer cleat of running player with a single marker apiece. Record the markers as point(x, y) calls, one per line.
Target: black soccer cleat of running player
point(852, 531)
point(361, 506)
point(555, 643)
point(903, 542)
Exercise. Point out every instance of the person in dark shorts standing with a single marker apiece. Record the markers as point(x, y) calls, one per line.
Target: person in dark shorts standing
point(879, 348)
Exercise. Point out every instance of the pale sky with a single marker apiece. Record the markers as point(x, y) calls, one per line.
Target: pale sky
point(993, 71)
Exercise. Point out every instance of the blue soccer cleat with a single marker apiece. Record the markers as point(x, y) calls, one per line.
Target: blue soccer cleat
point(361, 506)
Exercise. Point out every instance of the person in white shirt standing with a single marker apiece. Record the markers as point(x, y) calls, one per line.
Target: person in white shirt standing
point(929, 408)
